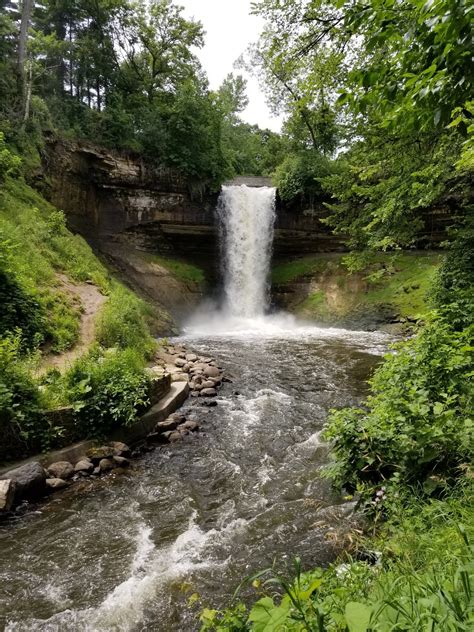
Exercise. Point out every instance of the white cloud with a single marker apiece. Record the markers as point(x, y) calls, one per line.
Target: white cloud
point(229, 30)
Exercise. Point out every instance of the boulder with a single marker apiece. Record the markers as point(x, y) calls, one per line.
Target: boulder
point(120, 448)
point(97, 454)
point(208, 384)
point(208, 392)
point(190, 425)
point(61, 469)
point(156, 437)
point(121, 461)
point(56, 483)
point(175, 436)
point(212, 371)
point(84, 465)
point(29, 479)
point(180, 363)
point(167, 424)
point(191, 357)
point(105, 465)
point(179, 377)
point(7, 495)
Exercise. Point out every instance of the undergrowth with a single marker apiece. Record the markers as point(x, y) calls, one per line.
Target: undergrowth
point(107, 387)
point(182, 270)
point(398, 282)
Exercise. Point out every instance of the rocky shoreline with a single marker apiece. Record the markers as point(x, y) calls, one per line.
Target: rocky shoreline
point(31, 482)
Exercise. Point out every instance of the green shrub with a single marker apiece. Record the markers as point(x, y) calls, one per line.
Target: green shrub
point(108, 390)
point(18, 309)
point(22, 426)
point(418, 421)
point(122, 322)
point(9, 163)
point(454, 290)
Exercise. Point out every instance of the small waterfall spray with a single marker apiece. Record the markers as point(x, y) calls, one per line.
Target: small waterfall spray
point(246, 218)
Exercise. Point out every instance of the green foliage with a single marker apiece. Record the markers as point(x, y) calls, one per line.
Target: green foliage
point(108, 390)
point(122, 322)
point(418, 422)
point(453, 292)
point(416, 66)
point(18, 309)
point(423, 580)
point(299, 176)
point(9, 163)
point(182, 270)
point(382, 185)
point(22, 426)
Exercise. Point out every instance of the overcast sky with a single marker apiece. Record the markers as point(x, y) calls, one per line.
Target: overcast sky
point(229, 29)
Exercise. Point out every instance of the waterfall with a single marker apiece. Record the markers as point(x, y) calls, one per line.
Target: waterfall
point(246, 218)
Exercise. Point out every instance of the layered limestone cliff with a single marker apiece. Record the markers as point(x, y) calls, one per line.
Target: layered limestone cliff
point(106, 194)
point(130, 210)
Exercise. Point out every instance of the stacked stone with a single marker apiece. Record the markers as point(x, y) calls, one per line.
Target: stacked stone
point(203, 374)
point(32, 481)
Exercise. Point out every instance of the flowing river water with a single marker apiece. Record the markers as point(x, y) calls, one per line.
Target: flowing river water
point(126, 552)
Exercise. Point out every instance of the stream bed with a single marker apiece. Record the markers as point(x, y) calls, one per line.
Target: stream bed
point(196, 517)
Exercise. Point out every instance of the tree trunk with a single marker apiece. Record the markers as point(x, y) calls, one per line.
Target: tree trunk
point(25, 78)
point(26, 10)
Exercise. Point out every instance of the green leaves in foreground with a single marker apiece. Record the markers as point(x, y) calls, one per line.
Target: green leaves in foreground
point(418, 422)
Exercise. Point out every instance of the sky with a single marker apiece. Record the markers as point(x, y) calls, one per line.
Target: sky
point(229, 30)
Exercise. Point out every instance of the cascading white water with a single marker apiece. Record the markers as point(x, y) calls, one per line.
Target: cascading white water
point(246, 220)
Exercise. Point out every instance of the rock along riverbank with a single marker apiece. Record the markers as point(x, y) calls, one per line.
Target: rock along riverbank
point(186, 374)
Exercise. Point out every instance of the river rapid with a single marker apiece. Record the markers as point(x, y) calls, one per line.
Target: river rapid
point(126, 553)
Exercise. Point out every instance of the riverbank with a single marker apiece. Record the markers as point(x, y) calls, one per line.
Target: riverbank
point(176, 374)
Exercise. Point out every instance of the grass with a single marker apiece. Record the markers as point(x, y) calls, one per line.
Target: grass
point(124, 322)
point(186, 272)
point(399, 282)
point(39, 247)
point(287, 271)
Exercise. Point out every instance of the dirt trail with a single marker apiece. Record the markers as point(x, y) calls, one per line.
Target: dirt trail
point(90, 300)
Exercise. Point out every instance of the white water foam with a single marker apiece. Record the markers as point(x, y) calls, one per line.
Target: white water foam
point(246, 218)
point(151, 569)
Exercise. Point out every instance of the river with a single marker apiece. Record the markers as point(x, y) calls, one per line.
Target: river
point(195, 517)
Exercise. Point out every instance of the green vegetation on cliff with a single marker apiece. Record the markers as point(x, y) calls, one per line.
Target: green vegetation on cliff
point(339, 288)
point(46, 272)
point(36, 250)
point(182, 270)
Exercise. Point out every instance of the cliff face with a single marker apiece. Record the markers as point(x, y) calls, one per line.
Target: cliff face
point(107, 196)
